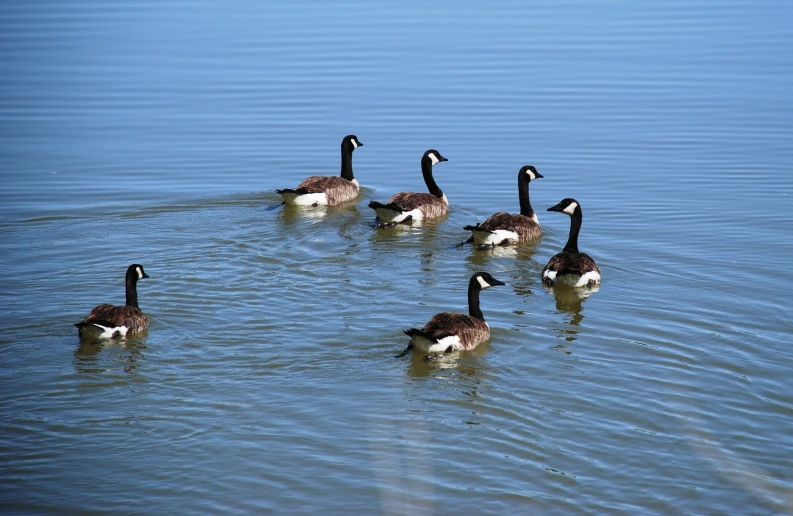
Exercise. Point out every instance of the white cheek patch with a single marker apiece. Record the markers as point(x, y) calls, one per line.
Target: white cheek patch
point(140, 273)
point(354, 143)
point(531, 175)
point(434, 158)
point(484, 284)
point(571, 209)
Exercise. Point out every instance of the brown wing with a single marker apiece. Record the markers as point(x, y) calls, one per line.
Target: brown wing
point(99, 312)
point(409, 201)
point(571, 263)
point(318, 184)
point(524, 226)
point(345, 191)
point(470, 330)
point(129, 316)
point(587, 264)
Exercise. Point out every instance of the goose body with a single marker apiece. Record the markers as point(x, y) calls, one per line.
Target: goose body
point(504, 228)
point(571, 267)
point(328, 190)
point(449, 331)
point(415, 206)
point(108, 321)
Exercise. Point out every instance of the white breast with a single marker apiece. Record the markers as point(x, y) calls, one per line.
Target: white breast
point(431, 346)
point(444, 343)
point(108, 332)
point(384, 214)
point(311, 199)
point(574, 281)
point(416, 214)
point(494, 238)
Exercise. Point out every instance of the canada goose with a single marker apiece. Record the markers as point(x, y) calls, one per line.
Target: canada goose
point(571, 267)
point(505, 228)
point(408, 206)
point(107, 321)
point(328, 190)
point(448, 331)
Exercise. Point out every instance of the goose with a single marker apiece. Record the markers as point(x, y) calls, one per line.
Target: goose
point(448, 331)
point(414, 206)
point(107, 321)
point(328, 190)
point(571, 267)
point(504, 228)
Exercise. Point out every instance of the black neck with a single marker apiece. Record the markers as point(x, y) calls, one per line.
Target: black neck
point(346, 162)
point(575, 226)
point(473, 300)
point(132, 293)
point(523, 194)
point(426, 171)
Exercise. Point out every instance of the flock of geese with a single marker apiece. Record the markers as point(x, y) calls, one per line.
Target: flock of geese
point(444, 332)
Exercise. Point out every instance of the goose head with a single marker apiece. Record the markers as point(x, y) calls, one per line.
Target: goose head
point(530, 172)
point(350, 142)
point(136, 272)
point(568, 206)
point(432, 157)
point(484, 280)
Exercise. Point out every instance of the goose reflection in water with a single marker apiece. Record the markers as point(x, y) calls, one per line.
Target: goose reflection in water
point(120, 353)
point(292, 213)
point(411, 226)
point(523, 279)
point(570, 300)
point(388, 242)
point(521, 256)
point(466, 363)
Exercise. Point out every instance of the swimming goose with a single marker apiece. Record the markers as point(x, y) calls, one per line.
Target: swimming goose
point(408, 206)
point(510, 228)
point(571, 267)
point(447, 331)
point(107, 321)
point(328, 190)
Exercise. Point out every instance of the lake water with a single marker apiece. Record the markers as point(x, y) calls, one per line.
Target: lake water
point(157, 132)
